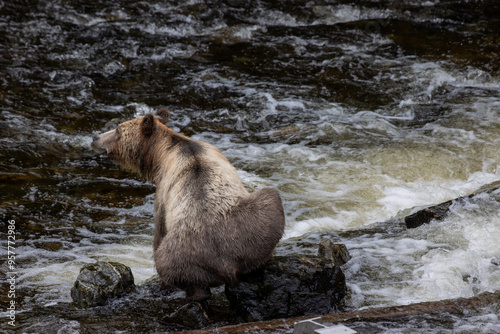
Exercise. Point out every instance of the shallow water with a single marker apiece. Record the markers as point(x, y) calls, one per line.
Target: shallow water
point(355, 112)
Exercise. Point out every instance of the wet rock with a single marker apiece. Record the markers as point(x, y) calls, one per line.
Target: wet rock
point(440, 211)
point(188, 316)
point(292, 285)
point(432, 40)
point(49, 245)
point(440, 314)
point(155, 286)
point(428, 113)
point(337, 254)
point(288, 286)
point(425, 216)
point(424, 114)
point(214, 312)
point(99, 282)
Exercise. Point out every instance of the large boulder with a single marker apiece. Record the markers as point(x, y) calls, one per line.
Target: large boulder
point(101, 281)
point(288, 286)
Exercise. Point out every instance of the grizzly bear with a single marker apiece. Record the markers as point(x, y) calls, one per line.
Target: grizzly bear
point(208, 229)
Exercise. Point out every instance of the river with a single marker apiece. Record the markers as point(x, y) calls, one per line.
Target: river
point(356, 111)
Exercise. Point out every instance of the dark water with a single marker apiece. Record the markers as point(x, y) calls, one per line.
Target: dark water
point(354, 110)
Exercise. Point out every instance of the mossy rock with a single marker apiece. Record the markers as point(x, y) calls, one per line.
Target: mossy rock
point(101, 281)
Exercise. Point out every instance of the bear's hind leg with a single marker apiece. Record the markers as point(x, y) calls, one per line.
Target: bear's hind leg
point(197, 294)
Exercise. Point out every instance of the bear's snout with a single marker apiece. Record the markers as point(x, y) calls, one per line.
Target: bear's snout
point(102, 143)
point(97, 145)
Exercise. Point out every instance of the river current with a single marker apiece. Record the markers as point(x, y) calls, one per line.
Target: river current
point(358, 112)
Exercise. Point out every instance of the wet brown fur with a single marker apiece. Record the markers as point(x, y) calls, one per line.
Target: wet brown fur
point(208, 228)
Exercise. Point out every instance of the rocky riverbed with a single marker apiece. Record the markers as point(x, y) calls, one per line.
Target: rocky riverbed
point(357, 112)
point(288, 289)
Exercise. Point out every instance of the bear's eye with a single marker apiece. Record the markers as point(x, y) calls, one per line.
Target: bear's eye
point(118, 133)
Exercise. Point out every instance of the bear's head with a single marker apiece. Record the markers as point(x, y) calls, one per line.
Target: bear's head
point(131, 142)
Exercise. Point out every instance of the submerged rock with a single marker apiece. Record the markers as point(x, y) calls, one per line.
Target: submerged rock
point(99, 282)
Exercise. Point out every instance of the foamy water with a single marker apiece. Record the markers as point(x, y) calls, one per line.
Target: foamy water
point(454, 258)
point(336, 188)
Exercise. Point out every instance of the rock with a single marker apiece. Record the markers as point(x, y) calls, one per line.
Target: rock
point(337, 254)
point(398, 318)
point(99, 282)
point(215, 311)
point(188, 316)
point(440, 211)
point(155, 287)
point(425, 216)
point(288, 286)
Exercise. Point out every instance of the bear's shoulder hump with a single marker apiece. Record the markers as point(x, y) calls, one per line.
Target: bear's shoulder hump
point(190, 148)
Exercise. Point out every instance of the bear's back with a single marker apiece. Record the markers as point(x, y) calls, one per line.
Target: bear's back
point(199, 184)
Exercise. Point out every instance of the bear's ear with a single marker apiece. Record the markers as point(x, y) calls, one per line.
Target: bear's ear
point(148, 125)
point(163, 115)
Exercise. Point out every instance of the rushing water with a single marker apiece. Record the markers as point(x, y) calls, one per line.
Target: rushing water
point(356, 111)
